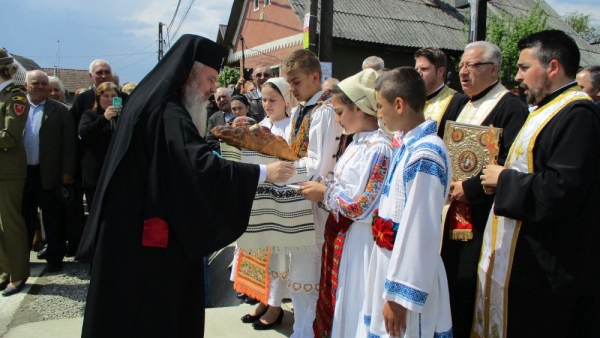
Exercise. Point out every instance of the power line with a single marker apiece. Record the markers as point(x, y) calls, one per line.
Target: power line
point(173, 19)
point(182, 19)
point(135, 63)
point(136, 53)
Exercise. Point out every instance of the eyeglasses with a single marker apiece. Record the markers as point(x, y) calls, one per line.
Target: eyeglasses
point(262, 75)
point(471, 65)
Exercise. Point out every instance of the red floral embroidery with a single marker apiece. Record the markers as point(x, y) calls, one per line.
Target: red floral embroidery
point(383, 231)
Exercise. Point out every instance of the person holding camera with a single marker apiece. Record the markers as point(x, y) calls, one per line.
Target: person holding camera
point(95, 131)
point(260, 75)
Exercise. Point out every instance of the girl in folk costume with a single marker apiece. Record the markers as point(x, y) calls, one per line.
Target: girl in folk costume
point(277, 100)
point(351, 197)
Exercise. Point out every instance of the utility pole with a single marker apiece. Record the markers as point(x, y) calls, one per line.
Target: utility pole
point(160, 41)
point(478, 16)
point(312, 28)
point(326, 33)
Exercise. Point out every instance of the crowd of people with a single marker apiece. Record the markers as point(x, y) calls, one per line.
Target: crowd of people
point(52, 153)
point(412, 237)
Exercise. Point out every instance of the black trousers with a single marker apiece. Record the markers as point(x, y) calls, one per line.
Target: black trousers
point(75, 217)
point(34, 196)
point(89, 196)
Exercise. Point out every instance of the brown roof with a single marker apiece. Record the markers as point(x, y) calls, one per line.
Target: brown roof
point(72, 79)
point(25, 65)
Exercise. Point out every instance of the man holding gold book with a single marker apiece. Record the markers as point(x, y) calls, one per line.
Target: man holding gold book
point(490, 103)
point(541, 239)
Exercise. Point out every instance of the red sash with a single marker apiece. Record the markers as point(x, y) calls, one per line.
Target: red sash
point(335, 235)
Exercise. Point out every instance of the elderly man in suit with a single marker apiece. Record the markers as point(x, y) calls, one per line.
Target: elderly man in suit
point(223, 99)
point(49, 140)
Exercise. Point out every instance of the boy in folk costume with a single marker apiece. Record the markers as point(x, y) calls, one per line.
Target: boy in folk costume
point(407, 293)
point(314, 137)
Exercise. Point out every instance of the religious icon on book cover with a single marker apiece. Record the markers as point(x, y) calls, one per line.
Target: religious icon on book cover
point(470, 147)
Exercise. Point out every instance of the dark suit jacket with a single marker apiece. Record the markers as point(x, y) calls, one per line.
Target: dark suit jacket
point(57, 144)
point(95, 133)
point(217, 119)
point(85, 101)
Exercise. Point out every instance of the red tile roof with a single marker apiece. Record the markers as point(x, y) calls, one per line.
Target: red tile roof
point(73, 79)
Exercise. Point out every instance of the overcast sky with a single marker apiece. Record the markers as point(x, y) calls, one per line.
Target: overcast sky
point(125, 32)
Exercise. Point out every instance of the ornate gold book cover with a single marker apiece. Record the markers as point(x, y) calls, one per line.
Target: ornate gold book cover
point(469, 147)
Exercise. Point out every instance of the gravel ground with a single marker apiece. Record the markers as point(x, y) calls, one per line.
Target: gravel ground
point(56, 295)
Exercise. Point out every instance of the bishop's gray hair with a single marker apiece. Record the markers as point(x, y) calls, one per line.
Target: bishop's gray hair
point(491, 52)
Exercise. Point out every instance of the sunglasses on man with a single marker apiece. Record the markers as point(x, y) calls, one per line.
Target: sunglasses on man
point(262, 75)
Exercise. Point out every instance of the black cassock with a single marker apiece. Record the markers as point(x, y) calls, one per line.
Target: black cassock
point(164, 201)
point(461, 258)
point(555, 281)
point(454, 108)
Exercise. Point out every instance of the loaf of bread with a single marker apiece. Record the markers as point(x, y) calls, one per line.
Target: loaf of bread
point(255, 138)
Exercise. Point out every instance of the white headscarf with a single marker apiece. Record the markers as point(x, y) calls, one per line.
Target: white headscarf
point(284, 88)
point(360, 89)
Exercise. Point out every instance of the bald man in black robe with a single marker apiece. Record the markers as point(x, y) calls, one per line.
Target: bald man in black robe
point(164, 201)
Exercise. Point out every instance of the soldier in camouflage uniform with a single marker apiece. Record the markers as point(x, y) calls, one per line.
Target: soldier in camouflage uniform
point(14, 249)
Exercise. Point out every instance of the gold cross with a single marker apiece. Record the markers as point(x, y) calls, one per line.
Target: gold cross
point(519, 151)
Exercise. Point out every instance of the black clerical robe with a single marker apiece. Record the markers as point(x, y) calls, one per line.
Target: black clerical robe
point(554, 283)
point(167, 175)
point(456, 104)
point(461, 258)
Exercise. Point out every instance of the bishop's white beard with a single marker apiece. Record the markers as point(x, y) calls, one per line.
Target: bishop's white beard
point(196, 104)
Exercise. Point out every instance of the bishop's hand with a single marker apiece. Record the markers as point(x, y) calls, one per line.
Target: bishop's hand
point(279, 172)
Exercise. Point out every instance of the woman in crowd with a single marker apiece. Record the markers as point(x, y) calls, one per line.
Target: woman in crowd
point(95, 130)
point(239, 106)
point(351, 196)
point(276, 100)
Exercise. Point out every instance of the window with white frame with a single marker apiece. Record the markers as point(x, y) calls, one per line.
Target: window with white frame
point(256, 5)
point(267, 3)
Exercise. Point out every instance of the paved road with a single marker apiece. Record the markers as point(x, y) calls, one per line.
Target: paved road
point(51, 305)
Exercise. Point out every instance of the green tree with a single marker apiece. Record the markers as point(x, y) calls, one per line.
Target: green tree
point(581, 24)
point(505, 31)
point(229, 75)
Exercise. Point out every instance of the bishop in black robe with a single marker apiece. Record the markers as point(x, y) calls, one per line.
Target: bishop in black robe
point(163, 202)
